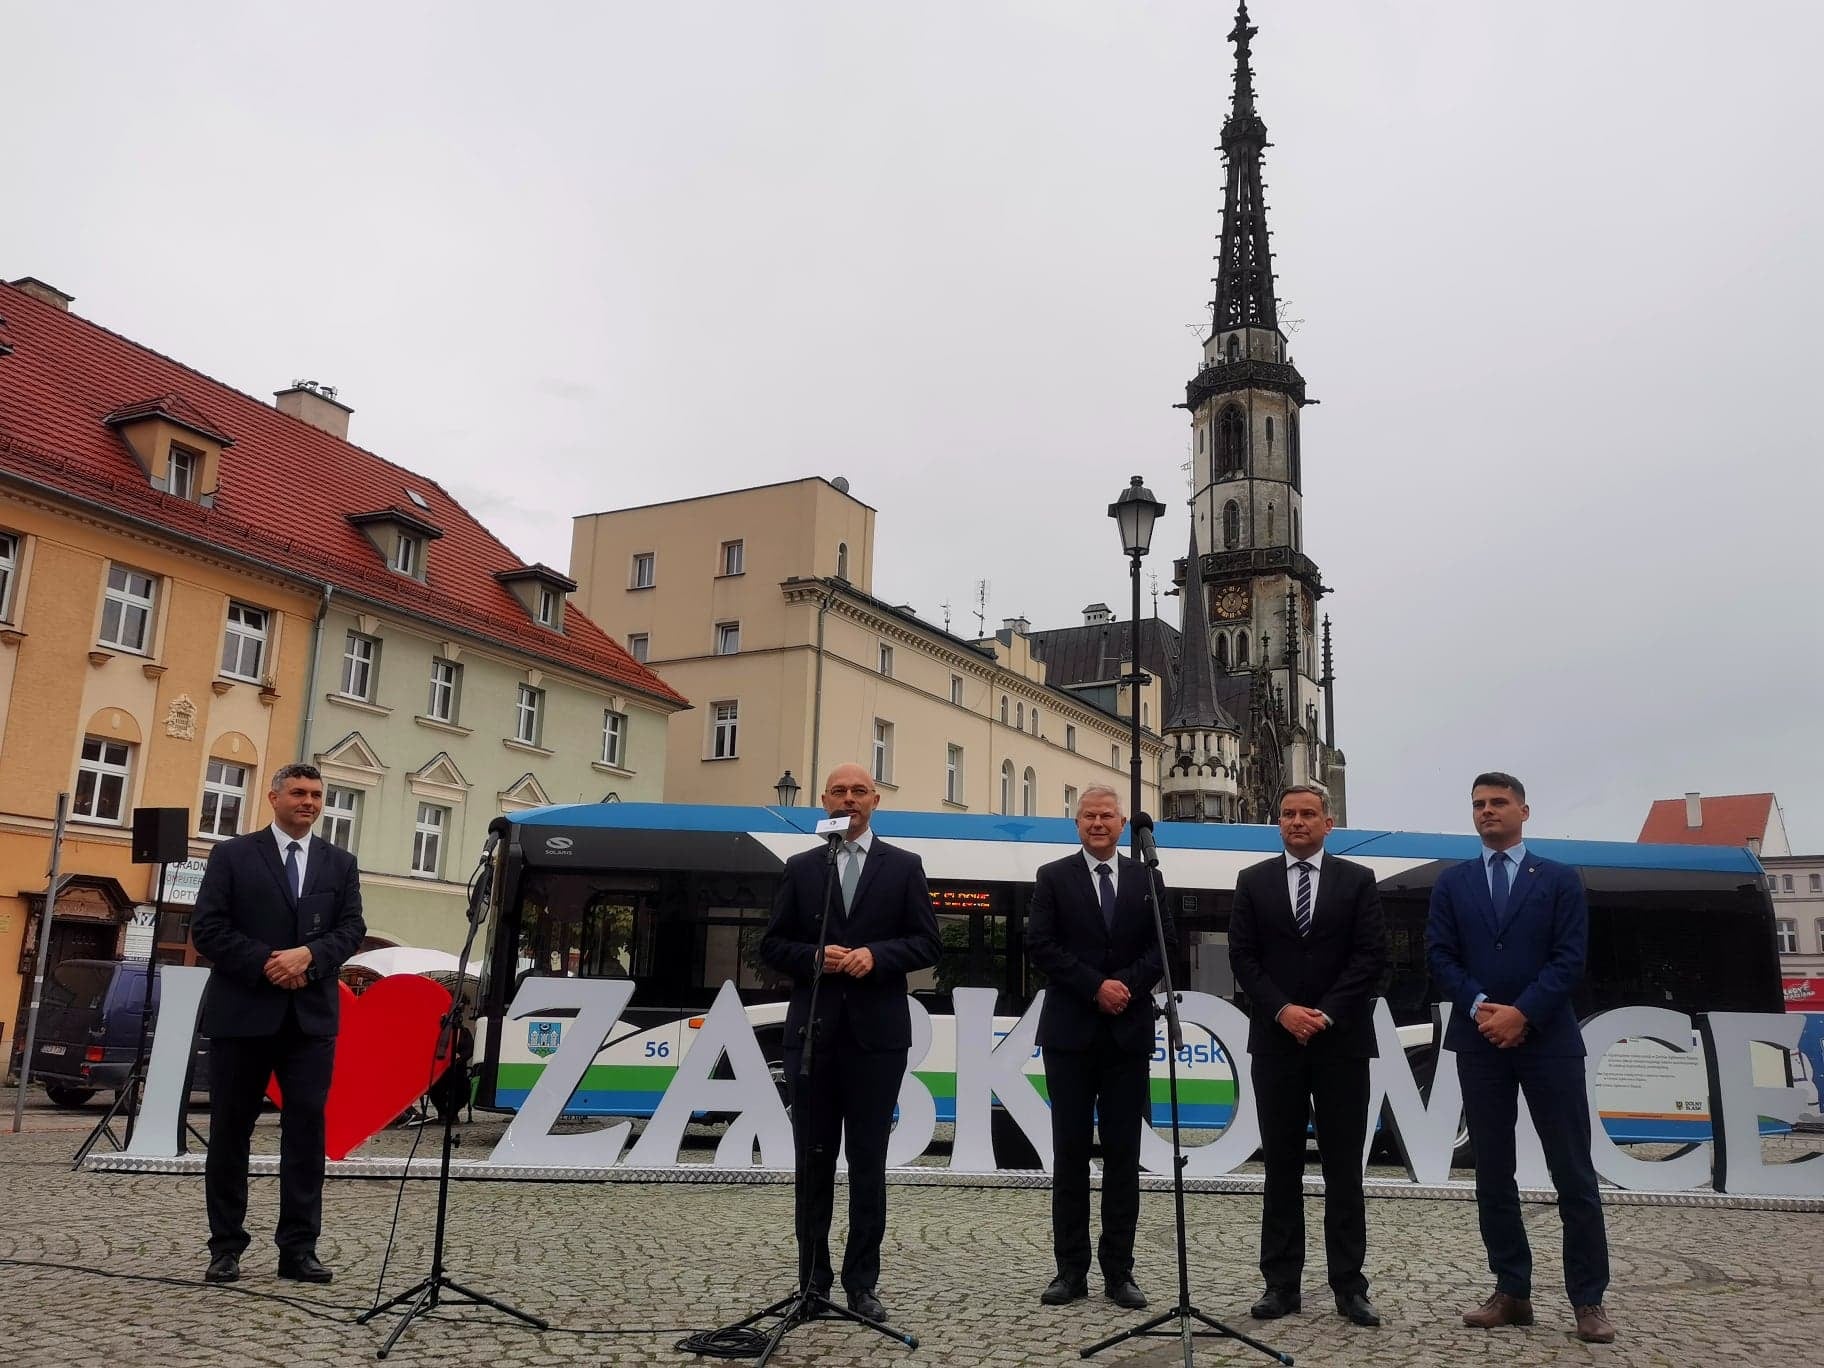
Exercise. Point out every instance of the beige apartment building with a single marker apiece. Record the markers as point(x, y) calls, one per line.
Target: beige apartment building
point(757, 604)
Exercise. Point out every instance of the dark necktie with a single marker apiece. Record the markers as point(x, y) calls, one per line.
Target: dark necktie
point(1301, 911)
point(1497, 882)
point(291, 871)
point(1106, 887)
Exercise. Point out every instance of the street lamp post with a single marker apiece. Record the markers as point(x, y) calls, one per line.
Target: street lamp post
point(1134, 513)
point(786, 790)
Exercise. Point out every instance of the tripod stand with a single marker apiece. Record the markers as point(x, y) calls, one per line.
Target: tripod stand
point(808, 1303)
point(128, 1095)
point(427, 1294)
point(1186, 1316)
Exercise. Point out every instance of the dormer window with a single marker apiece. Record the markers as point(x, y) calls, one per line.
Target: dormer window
point(401, 536)
point(540, 591)
point(183, 472)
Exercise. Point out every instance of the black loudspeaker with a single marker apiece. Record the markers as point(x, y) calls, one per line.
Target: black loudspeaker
point(161, 835)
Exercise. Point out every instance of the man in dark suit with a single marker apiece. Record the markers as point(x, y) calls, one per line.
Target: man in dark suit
point(1091, 931)
point(278, 913)
point(881, 928)
point(1308, 947)
point(1506, 943)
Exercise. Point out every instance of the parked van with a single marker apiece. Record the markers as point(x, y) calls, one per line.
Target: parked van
point(88, 1030)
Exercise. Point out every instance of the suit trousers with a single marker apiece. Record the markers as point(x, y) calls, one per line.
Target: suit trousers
point(1105, 1086)
point(239, 1067)
point(848, 1104)
point(1555, 1094)
point(1288, 1089)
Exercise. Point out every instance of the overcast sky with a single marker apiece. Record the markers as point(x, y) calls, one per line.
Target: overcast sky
point(1554, 267)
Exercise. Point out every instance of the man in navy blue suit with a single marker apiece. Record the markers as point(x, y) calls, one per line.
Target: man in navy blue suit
point(881, 928)
point(278, 913)
point(1506, 942)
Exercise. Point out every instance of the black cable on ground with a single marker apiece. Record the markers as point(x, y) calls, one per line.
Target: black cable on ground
point(730, 1342)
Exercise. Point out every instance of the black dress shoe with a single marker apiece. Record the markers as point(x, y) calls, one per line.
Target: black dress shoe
point(1356, 1308)
point(303, 1268)
point(223, 1268)
point(868, 1307)
point(1064, 1288)
point(1126, 1292)
point(1276, 1302)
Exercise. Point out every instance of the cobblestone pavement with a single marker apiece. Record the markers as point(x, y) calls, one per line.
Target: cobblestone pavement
point(626, 1269)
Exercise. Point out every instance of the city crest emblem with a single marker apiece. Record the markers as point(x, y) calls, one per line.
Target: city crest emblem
point(542, 1037)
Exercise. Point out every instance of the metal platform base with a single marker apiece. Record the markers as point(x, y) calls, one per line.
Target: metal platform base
point(470, 1170)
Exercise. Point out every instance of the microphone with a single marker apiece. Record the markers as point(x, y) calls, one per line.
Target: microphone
point(1145, 848)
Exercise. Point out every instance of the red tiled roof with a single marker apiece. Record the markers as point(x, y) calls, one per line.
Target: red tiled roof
point(66, 375)
point(1731, 819)
point(174, 407)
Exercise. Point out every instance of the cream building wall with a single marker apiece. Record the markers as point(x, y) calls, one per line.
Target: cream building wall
point(808, 680)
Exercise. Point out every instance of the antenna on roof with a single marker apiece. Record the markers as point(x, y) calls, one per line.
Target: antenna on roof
point(981, 608)
point(945, 605)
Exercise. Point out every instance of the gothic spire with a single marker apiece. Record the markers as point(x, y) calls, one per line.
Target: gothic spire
point(1196, 706)
point(1244, 273)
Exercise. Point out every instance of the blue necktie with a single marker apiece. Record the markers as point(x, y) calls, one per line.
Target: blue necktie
point(1497, 882)
point(1107, 890)
point(291, 871)
point(1301, 913)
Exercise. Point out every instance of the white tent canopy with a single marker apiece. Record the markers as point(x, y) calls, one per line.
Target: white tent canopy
point(403, 959)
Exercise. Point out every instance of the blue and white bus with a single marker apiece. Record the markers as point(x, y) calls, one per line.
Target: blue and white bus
point(676, 898)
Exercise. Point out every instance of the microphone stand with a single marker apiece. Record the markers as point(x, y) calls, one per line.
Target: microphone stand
point(427, 1294)
point(807, 1303)
point(1184, 1314)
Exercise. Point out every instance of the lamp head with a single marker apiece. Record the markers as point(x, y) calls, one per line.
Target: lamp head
point(1134, 513)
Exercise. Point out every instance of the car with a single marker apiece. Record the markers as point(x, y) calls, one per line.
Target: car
point(88, 1030)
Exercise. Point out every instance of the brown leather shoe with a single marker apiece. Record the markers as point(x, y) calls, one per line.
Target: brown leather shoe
point(1593, 1325)
point(1501, 1309)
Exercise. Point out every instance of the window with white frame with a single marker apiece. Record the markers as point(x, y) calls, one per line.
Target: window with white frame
point(101, 779)
point(1004, 710)
point(9, 572)
point(446, 688)
point(956, 690)
point(1070, 736)
point(1028, 783)
point(1114, 756)
point(1070, 800)
point(224, 796)
point(725, 721)
point(341, 811)
point(181, 473)
point(1818, 926)
point(644, 570)
point(1035, 719)
point(734, 557)
point(1785, 883)
point(244, 642)
point(884, 660)
point(639, 645)
point(1019, 715)
point(953, 774)
point(528, 715)
point(728, 638)
point(1817, 883)
point(1773, 883)
point(1786, 932)
point(427, 840)
point(360, 666)
point(614, 738)
point(1007, 786)
point(548, 602)
point(126, 609)
point(408, 554)
point(883, 752)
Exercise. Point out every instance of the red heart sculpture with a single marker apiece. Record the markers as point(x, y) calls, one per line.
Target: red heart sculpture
point(383, 1058)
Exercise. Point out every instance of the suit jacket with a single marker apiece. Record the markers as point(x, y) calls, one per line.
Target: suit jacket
point(1337, 969)
point(245, 911)
point(1531, 959)
point(892, 917)
point(1067, 938)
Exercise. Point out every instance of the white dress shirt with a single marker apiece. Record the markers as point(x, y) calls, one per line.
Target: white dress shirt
point(1114, 869)
point(1316, 862)
point(285, 838)
point(860, 854)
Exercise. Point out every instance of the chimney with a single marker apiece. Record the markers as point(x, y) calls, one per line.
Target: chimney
point(315, 404)
point(1097, 612)
point(43, 293)
point(1016, 624)
point(1694, 811)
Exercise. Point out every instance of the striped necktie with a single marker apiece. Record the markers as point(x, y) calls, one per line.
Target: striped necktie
point(1301, 910)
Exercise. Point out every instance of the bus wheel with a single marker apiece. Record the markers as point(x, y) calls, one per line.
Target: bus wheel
point(65, 1096)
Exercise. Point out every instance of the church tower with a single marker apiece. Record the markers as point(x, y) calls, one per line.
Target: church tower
point(1202, 778)
point(1258, 587)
